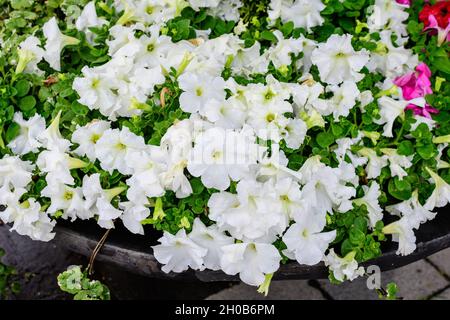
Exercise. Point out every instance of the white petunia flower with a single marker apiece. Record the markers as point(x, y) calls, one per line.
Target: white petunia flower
point(179, 139)
point(343, 150)
point(294, 133)
point(255, 213)
point(441, 194)
point(370, 200)
point(57, 166)
point(290, 197)
point(175, 179)
point(121, 37)
point(11, 202)
point(43, 227)
point(345, 268)
point(228, 114)
point(325, 188)
point(267, 108)
point(178, 253)
point(251, 260)
point(397, 163)
point(303, 13)
point(51, 138)
point(30, 129)
point(132, 216)
point(403, 233)
point(307, 50)
point(87, 137)
point(307, 96)
point(55, 43)
point(95, 89)
point(197, 4)
point(153, 50)
point(220, 155)
point(412, 210)
point(98, 201)
point(281, 53)
point(365, 98)
point(337, 61)
point(67, 199)
point(199, 91)
point(390, 59)
point(390, 110)
point(89, 19)
point(344, 99)
point(374, 162)
point(273, 164)
point(212, 239)
point(148, 11)
point(147, 167)
point(30, 54)
point(114, 148)
point(386, 14)
point(14, 172)
point(305, 240)
point(226, 10)
point(27, 217)
point(248, 61)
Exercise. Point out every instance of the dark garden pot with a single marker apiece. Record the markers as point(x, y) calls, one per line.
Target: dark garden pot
point(134, 253)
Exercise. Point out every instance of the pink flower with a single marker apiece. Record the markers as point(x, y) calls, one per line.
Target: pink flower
point(405, 2)
point(415, 84)
point(443, 34)
point(425, 111)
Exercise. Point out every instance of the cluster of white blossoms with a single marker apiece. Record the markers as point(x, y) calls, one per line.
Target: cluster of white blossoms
point(232, 137)
point(27, 217)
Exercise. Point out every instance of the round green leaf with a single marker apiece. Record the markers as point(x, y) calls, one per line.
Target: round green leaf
point(325, 139)
point(27, 103)
point(22, 87)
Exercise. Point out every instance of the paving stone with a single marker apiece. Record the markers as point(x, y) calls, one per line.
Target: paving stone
point(442, 261)
point(356, 290)
point(279, 290)
point(38, 264)
point(445, 295)
point(415, 281)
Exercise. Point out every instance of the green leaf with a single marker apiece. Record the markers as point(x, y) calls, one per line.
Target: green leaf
point(27, 103)
point(357, 237)
point(400, 189)
point(426, 151)
point(337, 129)
point(325, 139)
point(346, 247)
point(21, 4)
point(78, 108)
point(287, 29)
point(12, 132)
point(442, 64)
point(22, 87)
point(405, 148)
point(269, 36)
point(392, 291)
point(197, 186)
point(361, 224)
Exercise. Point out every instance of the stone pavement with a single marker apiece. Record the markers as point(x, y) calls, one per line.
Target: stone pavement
point(39, 263)
point(425, 279)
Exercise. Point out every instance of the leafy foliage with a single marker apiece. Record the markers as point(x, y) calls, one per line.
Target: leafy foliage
point(76, 282)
